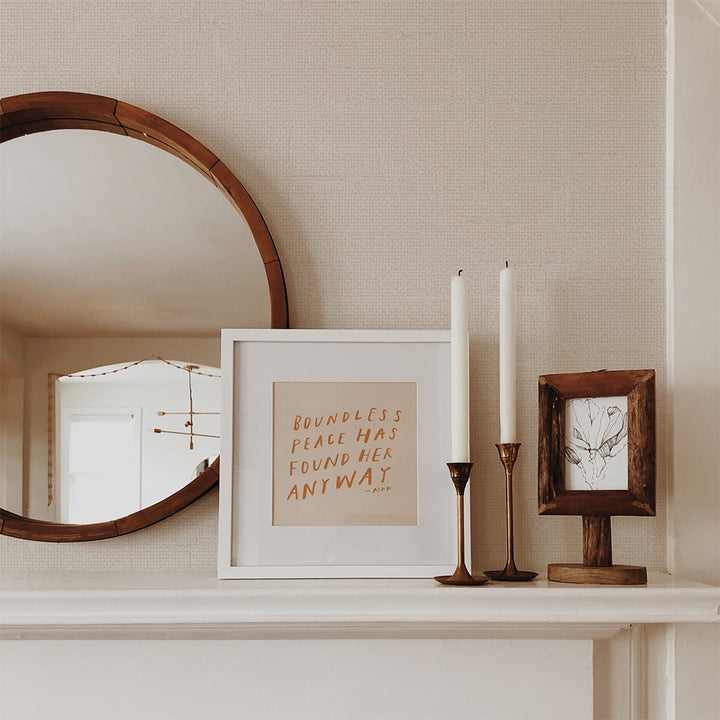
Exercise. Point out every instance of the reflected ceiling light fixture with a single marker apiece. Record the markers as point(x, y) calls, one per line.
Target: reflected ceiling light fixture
point(191, 412)
point(52, 402)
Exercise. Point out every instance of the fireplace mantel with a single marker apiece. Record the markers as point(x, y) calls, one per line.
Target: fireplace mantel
point(49, 605)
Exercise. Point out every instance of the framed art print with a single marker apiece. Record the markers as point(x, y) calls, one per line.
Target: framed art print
point(338, 441)
point(596, 458)
point(596, 443)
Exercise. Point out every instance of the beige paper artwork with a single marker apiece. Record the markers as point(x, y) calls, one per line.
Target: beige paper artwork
point(345, 453)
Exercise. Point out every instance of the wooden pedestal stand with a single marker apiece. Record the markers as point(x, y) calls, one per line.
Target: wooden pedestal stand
point(597, 506)
point(597, 567)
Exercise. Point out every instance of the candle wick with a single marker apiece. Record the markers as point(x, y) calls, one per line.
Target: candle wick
point(506, 264)
point(459, 273)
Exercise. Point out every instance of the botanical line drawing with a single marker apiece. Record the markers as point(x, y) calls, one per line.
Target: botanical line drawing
point(596, 435)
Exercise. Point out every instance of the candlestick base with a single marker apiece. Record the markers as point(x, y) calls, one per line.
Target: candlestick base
point(460, 474)
point(508, 453)
point(461, 579)
point(510, 574)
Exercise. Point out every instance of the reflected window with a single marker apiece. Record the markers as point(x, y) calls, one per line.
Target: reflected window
point(175, 428)
point(102, 478)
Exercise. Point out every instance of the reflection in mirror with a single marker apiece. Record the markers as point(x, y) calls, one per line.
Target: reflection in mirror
point(126, 241)
point(129, 435)
point(106, 236)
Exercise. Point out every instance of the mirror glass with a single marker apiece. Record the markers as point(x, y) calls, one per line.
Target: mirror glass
point(129, 435)
point(112, 251)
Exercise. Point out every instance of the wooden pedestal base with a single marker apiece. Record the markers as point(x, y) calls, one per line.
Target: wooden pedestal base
point(588, 575)
point(597, 566)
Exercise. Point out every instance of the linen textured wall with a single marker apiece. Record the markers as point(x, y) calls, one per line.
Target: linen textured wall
point(389, 144)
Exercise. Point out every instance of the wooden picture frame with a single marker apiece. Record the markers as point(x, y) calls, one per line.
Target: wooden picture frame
point(606, 434)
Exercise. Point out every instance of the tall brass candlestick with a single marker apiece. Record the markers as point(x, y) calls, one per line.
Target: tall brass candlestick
point(508, 455)
point(460, 474)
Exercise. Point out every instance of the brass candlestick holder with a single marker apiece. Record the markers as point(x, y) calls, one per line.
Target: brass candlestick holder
point(508, 455)
point(460, 474)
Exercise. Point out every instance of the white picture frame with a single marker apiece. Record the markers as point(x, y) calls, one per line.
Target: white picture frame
point(256, 539)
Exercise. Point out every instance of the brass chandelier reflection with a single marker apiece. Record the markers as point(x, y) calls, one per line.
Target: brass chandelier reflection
point(191, 412)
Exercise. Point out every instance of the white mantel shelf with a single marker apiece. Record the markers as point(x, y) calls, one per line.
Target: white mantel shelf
point(47, 605)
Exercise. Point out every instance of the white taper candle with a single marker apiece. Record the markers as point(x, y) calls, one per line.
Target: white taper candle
point(508, 360)
point(460, 370)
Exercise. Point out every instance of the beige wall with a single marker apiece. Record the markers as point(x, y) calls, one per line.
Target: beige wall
point(694, 508)
point(389, 144)
point(696, 286)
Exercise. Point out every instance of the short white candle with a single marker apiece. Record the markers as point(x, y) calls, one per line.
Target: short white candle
point(508, 419)
point(460, 370)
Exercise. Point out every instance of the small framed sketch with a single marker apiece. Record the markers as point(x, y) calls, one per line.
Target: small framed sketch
point(596, 443)
point(596, 458)
point(334, 446)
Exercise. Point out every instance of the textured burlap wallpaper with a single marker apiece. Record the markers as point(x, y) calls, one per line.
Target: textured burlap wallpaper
point(388, 144)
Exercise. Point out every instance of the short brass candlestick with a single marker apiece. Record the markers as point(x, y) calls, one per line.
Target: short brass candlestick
point(460, 474)
point(508, 455)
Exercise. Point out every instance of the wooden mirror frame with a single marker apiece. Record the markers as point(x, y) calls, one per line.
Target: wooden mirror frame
point(42, 111)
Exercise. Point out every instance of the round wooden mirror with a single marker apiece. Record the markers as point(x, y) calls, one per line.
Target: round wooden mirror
point(25, 115)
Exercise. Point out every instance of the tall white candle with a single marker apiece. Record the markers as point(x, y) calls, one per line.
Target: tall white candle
point(508, 419)
point(460, 370)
